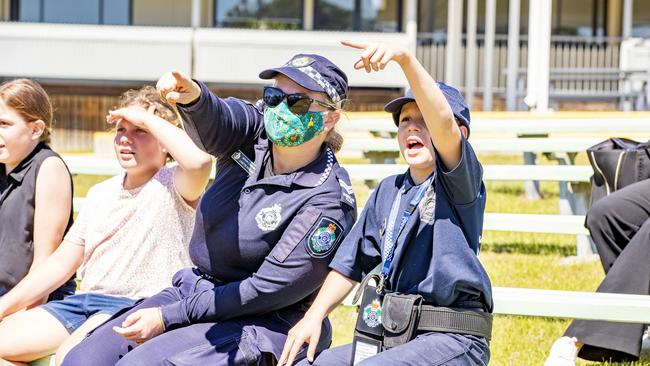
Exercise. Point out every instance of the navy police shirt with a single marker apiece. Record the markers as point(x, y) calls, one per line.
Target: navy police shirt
point(266, 242)
point(436, 252)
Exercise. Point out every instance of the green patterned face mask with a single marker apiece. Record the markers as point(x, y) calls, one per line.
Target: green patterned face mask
point(284, 128)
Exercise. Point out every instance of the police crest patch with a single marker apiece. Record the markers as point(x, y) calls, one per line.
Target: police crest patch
point(301, 61)
point(372, 314)
point(324, 236)
point(269, 218)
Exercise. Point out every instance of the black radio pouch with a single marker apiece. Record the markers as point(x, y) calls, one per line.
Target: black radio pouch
point(400, 317)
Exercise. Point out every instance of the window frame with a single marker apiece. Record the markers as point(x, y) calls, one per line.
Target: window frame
point(14, 13)
point(215, 25)
point(357, 18)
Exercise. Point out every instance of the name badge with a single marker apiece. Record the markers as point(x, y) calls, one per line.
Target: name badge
point(363, 348)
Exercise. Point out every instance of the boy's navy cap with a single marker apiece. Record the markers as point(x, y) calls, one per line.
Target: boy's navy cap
point(453, 96)
point(313, 72)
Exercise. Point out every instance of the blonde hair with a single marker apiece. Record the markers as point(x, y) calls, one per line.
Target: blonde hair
point(31, 102)
point(334, 139)
point(146, 97)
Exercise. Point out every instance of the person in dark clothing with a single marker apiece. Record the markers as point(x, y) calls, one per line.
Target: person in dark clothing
point(431, 253)
point(35, 186)
point(265, 230)
point(619, 226)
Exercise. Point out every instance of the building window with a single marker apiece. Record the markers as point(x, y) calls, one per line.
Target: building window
point(358, 15)
point(258, 14)
point(115, 12)
point(584, 18)
point(432, 17)
point(641, 19)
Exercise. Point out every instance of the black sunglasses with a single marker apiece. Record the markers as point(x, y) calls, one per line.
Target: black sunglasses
point(298, 103)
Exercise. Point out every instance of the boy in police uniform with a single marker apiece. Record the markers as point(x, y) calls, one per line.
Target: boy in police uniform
point(431, 254)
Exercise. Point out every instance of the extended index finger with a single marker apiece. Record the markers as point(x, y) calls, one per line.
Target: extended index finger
point(357, 45)
point(181, 79)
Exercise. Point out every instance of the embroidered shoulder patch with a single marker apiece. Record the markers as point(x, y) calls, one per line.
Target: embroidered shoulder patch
point(323, 237)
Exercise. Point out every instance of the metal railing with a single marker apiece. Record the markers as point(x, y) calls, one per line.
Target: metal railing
point(567, 52)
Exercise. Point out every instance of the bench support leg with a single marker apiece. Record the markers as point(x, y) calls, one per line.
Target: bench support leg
point(574, 200)
point(579, 202)
point(531, 187)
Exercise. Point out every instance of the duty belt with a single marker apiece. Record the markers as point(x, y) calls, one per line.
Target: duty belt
point(455, 320)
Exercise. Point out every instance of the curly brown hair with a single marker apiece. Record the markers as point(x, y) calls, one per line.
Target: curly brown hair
point(146, 97)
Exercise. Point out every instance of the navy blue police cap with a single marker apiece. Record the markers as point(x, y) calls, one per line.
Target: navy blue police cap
point(453, 96)
point(313, 72)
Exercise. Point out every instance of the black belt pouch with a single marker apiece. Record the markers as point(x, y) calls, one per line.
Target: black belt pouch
point(400, 317)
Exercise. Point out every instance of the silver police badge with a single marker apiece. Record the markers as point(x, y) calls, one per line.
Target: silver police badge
point(269, 218)
point(301, 61)
point(428, 206)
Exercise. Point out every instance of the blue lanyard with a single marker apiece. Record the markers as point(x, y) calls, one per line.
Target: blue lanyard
point(390, 239)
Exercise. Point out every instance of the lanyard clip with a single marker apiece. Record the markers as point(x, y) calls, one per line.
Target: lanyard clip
point(380, 286)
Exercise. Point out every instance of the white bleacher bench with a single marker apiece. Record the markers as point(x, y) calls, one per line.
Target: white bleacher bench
point(532, 223)
point(524, 125)
point(570, 173)
point(574, 198)
point(512, 301)
point(621, 308)
point(523, 223)
point(567, 304)
point(381, 150)
point(572, 304)
point(565, 173)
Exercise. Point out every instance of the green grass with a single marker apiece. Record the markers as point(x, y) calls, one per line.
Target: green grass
point(511, 259)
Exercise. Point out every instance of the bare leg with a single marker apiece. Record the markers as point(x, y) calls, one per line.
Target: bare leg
point(8, 363)
point(79, 335)
point(29, 335)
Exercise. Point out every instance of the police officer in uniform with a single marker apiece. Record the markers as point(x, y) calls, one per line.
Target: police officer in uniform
point(265, 230)
point(420, 230)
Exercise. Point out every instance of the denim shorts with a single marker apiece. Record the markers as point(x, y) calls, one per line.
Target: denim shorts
point(74, 310)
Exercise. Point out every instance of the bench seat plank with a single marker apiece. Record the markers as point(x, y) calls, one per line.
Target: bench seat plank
point(572, 304)
point(524, 126)
point(564, 173)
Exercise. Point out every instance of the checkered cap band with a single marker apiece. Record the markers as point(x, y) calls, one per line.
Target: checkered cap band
point(318, 78)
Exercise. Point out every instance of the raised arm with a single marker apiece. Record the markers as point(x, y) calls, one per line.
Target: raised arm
point(194, 165)
point(437, 113)
point(217, 126)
